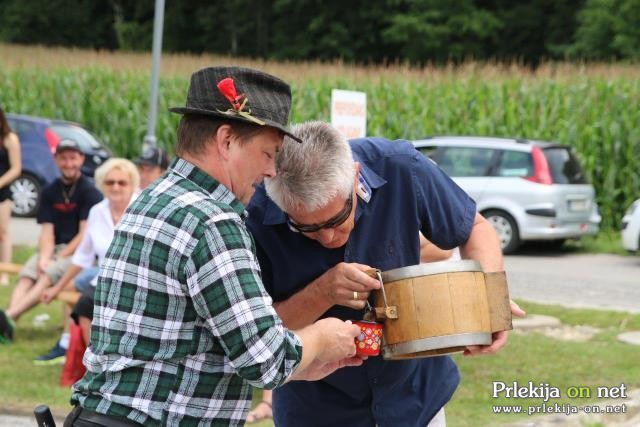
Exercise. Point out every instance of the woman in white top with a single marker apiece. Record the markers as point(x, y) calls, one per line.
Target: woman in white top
point(118, 179)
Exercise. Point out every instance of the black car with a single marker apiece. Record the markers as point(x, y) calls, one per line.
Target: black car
point(38, 140)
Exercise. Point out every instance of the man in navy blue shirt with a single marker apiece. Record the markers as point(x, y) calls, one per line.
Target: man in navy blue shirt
point(339, 210)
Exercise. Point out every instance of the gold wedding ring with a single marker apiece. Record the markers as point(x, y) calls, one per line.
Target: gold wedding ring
point(355, 296)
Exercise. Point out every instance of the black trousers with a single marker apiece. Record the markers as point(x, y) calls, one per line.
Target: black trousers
point(81, 417)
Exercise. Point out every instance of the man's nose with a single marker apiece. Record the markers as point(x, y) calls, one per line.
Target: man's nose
point(270, 171)
point(325, 235)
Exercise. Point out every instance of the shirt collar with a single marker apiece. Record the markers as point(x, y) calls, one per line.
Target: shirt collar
point(273, 215)
point(373, 179)
point(208, 184)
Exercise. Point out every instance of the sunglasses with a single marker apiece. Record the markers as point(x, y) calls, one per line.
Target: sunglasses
point(334, 222)
point(112, 182)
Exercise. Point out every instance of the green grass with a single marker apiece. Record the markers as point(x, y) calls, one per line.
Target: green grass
point(606, 241)
point(602, 361)
point(24, 385)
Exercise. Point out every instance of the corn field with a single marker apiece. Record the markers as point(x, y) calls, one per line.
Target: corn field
point(595, 108)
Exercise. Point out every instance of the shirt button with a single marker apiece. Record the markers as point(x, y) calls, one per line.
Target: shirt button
point(374, 381)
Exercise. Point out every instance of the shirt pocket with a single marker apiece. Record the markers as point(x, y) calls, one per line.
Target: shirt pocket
point(385, 254)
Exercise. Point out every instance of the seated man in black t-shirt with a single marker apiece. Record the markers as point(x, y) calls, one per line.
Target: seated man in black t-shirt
point(63, 211)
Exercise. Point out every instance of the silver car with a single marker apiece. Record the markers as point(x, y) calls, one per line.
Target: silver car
point(528, 190)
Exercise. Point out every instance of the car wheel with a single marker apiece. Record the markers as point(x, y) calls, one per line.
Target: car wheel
point(507, 230)
point(25, 193)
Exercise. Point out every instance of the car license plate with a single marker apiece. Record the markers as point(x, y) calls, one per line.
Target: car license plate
point(578, 205)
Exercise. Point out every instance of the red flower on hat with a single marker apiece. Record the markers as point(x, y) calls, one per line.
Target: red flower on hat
point(228, 89)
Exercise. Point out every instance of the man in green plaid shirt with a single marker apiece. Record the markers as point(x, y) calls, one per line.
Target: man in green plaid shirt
point(183, 327)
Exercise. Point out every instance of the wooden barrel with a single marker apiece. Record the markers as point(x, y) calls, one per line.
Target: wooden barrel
point(439, 308)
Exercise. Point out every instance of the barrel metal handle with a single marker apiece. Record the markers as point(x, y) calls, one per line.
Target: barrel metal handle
point(380, 313)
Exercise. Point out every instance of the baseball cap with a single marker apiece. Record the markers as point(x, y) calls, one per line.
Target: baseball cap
point(68, 144)
point(153, 156)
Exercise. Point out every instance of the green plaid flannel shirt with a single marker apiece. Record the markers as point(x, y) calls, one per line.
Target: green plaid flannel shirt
point(183, 326)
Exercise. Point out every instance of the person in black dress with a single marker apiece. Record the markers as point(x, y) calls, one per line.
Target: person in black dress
point(10, 169)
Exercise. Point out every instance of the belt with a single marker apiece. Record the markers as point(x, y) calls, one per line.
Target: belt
point(81, 417)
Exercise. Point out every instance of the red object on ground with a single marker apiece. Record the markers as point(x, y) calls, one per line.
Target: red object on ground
point(73, 368)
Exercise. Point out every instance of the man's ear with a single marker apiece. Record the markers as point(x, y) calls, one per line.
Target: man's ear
point(222, 140)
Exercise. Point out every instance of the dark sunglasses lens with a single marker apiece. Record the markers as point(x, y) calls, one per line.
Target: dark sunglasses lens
point(334, 222)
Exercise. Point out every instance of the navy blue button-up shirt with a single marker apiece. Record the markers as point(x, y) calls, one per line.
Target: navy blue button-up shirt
point(401, 192)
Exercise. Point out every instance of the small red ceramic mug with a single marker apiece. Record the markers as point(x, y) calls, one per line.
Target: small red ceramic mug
point(370, 339)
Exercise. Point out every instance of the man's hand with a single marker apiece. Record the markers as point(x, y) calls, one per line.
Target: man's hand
point(328, 344)
point(516, 310)
point(348, 285)
point(49, 294)
point(499, 339)
point(338, 339)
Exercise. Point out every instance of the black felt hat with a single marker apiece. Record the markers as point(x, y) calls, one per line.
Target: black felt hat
point(242, 94)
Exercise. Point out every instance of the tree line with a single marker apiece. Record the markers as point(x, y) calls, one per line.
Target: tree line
point(356, 31)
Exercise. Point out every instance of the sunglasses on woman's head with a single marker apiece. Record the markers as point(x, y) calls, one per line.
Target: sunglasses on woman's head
point(334, 222)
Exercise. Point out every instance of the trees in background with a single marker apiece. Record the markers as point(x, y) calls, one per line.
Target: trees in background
point(608, 29)
point(80, 23)
point(417, 31)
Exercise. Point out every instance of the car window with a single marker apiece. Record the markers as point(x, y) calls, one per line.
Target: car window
point(430, 152)
point(515, 164)
point(12, 124)
point(25, 130)
point(564, 166)
point(86, 141)
point(465, 161)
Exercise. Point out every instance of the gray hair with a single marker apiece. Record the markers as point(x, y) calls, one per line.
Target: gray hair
point(311, 173)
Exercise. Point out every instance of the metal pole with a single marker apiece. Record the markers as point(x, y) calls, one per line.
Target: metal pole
point(158, 20)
